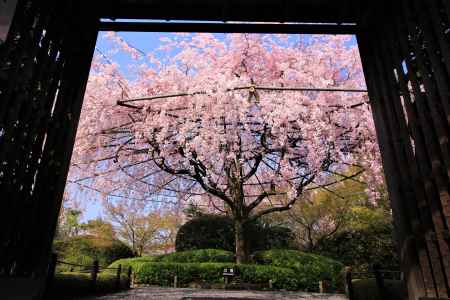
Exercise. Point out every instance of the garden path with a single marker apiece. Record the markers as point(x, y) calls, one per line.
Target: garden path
point(158, 293)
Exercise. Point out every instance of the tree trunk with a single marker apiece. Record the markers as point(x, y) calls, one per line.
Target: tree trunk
point(241, 249)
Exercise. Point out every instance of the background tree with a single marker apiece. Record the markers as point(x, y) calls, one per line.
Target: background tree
point(139, 227)
point(99, 228)
point(343, 224)
point(366, 241)
point(69, 223)
point(324, 212)
point(171, 221)
point(84, 249)
point(239, 132)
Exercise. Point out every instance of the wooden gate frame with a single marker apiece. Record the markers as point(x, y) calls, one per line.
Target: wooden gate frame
point(405, 50)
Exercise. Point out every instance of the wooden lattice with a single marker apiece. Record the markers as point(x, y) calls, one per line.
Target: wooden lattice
point(407, 67)
point(44, 64)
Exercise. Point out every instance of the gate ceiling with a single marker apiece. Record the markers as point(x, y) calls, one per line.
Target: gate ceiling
point(314, 11)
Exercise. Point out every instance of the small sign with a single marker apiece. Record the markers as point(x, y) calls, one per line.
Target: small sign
point(229, 272)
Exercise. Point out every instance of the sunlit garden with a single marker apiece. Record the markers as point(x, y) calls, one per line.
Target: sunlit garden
point(226, 162)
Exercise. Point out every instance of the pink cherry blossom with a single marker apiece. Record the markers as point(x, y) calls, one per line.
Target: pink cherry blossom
point(236, 138)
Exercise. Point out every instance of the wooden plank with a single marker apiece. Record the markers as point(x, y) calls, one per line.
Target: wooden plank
point(424, 149)
point(439, 29)
point(410, 256)
point(228, 27)
point(436, 199)
point(402, 149)
point(46, 82)
point(410, 163)
point(12, 99)
point(434, 105)
point(60, 139)
point(446, 5)
point(432, 48)
point(306, 11)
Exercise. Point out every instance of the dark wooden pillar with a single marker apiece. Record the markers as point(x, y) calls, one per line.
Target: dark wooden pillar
point(44, 65)
point(405, 51)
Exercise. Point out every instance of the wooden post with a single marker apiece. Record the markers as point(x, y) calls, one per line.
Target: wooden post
point(349, 283)
point(175, 281)
point(413, 256)
point(50, 276)
point(379, 281)
point(323, 286)
point(52, 268)
point(130, 270)
point(94, 273)
point(270, 284)
point(119, 271)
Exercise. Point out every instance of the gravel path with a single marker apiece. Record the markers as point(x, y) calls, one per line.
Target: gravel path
point(158, 293)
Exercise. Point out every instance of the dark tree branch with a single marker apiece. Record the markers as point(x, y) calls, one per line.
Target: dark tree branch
point(254, 168)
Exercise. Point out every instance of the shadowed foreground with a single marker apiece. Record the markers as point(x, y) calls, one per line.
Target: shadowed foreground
point(158, 293)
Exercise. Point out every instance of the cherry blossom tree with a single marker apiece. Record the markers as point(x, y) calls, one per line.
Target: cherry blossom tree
point(243, 124)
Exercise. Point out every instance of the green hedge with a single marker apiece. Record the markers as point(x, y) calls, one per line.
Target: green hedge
point(197, 256)
point(309, 268)
point(163, 274)
point(70, 285)
point(366, 289)
point(135, 263)
point(288, 269)
point(193, 256)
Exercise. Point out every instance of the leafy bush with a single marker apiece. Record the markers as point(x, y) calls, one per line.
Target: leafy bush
point(197, 256)
point(193, 256)
point(309, 268)
point(282, 278)
point(84, 250)
point(134, 262)
point(69, 285)
point(366, 289)
point(362, 248)
point(288, 269)
point(206, 232)
point(262, 237)
point(163, 274)
point(217, 232)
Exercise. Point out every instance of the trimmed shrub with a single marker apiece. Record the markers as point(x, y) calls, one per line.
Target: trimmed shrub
point(217, 232)
point(288, 269)
point(84, 250)
point(193, 256)
point(206, 232)
point(270, 237)
point(163, 274)
point(282, 278)
point(309, 268)
point(134, 262)
point(197, 256)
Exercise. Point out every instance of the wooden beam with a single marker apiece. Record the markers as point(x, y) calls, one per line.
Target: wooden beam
point(291, 28)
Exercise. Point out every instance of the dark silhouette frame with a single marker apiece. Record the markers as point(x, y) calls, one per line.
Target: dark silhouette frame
point(405, 49)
